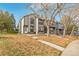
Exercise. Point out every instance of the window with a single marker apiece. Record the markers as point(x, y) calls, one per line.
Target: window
point(25, 29)
point(25, 25)
point(41, 29)
point(32, 21)
point(41, 21)
point(31, 30)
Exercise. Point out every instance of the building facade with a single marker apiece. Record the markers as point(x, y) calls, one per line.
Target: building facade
point(32, 24)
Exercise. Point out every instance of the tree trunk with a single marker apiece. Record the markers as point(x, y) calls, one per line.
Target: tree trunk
point(72, 31)
point(78, 31)
point(55, 32)
point(64, 32)
point(47, 30)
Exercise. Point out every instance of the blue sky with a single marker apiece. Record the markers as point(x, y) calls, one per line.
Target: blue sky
point(18, 9)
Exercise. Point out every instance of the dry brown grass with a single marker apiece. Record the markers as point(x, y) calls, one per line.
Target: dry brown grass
point(59, 40)
point(25, 46)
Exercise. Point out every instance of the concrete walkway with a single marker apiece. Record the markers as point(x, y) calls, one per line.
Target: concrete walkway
point(72, 49)
point(52, 45)
point(34, 37)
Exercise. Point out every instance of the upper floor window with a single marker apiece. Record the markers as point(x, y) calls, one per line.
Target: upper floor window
point(25, 26)
point(41, 21)
point(31, 20)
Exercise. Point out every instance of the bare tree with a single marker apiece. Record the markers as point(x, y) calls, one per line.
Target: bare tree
point(74, 13)
point(67, 23)
point(71, 10)
point(47, 11)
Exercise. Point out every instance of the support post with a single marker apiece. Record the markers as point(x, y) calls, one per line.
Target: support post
point(36, 26)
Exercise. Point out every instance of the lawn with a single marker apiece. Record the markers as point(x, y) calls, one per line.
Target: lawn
point(22, 45)
point(61, 41)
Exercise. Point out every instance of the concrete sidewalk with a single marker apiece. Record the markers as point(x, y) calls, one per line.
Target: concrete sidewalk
point(72, 49)
point(52, 45)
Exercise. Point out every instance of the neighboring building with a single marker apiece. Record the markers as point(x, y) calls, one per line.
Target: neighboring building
point(32, 24)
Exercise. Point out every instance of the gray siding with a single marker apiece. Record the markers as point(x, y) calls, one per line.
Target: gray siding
point(29, 25)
